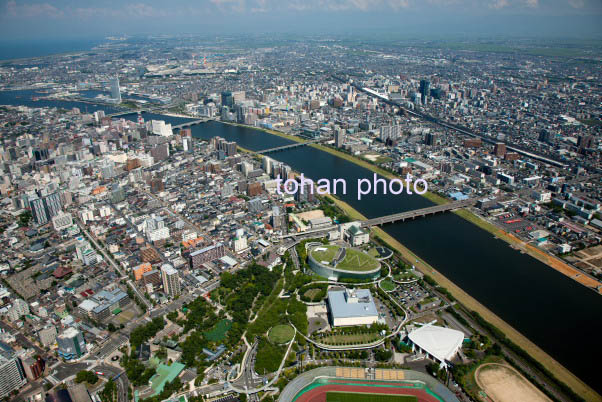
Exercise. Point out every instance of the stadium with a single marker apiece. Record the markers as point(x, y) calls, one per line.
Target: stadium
point(353, 384)
point(335, 262)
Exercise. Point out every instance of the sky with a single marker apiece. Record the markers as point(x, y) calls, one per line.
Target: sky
point(31, 19)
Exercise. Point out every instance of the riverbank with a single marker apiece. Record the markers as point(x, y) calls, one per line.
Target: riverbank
point(559, 371)
point(515, 242)
point(533, 251)
point(546, 361)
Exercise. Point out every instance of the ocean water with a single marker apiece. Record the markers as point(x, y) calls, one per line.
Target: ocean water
point(20, 49)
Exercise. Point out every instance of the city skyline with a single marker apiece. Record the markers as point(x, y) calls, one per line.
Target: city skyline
point(66, 19)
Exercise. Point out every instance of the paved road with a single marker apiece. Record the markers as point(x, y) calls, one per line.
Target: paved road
point(113, 264)
point(122, 381)
point(63, 371)
point(21, 339)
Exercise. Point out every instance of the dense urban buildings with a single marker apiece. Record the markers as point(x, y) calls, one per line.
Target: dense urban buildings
point(161, 237)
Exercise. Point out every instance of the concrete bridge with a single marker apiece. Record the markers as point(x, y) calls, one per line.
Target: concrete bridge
point(190, 123)
point(289, 146)
point(417, 213)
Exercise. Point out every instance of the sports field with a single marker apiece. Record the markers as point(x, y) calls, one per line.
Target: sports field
point(357, 397)
point(360, 391)
point(281, 334)
point(353, 260)
point(502, 383)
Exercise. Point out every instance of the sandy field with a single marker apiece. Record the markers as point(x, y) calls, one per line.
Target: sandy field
point(504, 384)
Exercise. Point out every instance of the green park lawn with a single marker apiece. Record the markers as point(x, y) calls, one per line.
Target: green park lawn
point(355, 397)
point(354, 260)
point(281, 334)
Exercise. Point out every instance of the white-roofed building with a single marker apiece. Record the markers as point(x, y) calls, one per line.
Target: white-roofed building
point(351, 307)
point(439, 343)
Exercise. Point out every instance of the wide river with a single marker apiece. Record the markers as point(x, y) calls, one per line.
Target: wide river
point(556, 313)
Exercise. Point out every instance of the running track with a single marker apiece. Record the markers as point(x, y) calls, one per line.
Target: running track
point(318, 394)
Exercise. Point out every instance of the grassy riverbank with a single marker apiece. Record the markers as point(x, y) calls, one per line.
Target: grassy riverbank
point(470, 303)
point(533, 251)
point(559, 371)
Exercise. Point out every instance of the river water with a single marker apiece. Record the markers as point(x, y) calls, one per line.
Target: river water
point(559, 315)
point(556, 313)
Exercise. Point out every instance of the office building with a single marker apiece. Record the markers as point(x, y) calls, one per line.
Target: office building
point(160, 152)
point(171, 280)
point(71, 344)
point(431, 139)
point(141, 269)
point(33, 368)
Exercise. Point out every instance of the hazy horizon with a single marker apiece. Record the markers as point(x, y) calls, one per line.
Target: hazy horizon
point(30, 20)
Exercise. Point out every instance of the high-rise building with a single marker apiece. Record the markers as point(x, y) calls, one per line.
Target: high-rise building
point(71, 344)
point(187, 144)
point(240, 241)
point(431, 139)
point(227, 99)
point(585, 141)
point(107, 169)
point(115, 92)
point(389, 132)
point(339, 137)
point(425, 90)
point(499, 149)
point(36, 205)
point(12, 376)
point(53, 204)
point(171, 281)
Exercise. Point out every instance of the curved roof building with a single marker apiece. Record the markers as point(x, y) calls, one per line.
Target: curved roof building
point(439, 342)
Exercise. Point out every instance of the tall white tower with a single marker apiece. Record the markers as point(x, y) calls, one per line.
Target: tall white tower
point(115, 93)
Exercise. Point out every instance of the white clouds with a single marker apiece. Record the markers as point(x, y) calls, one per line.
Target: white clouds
point(144, 9)
point(17, 10)
point(499, 4)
